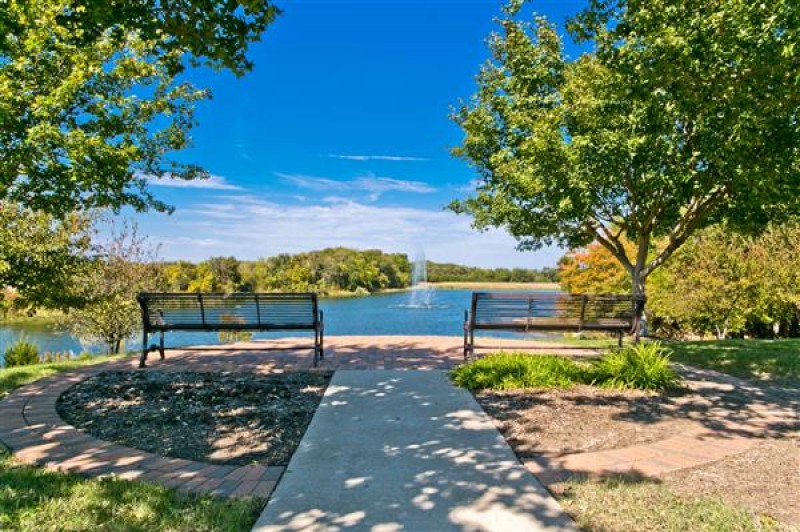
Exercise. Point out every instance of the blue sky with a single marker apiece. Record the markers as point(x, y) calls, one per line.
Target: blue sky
point(340, 136)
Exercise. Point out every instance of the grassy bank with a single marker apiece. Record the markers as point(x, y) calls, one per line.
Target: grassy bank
point(453, 285)
point(11, 378)
point(39, 320)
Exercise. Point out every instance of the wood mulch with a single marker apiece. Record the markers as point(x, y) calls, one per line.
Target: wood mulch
point(764, 479)
point(580, 419)
point(221, 418)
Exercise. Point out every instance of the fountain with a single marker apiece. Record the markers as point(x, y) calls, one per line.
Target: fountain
point(421, 293)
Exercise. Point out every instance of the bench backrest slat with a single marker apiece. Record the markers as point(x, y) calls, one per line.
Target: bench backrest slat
point(520, 310)
point(164, 311)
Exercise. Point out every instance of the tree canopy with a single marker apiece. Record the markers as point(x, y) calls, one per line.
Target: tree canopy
point(684, 113)
point(92, 98)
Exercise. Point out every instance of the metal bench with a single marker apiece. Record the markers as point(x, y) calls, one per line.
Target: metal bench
point(163, 312)
point(538, 311)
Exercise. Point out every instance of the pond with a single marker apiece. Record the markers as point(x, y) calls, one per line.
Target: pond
point(435, 312)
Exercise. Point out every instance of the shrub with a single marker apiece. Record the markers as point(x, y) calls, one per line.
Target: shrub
point(644, 366)
point(508, 371)
point(23, 353)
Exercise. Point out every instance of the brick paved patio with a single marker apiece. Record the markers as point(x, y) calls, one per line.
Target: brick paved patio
point(32, 429)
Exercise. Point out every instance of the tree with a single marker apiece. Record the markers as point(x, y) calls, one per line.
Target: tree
point(121, 268)
point(683, 114)
point(39, 254)
point(593, 270)
point(92, 99)
point(714, 282)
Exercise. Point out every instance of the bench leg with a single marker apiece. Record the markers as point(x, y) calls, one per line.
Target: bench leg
point(316, 347)
point(619, 339)
point(143, 357)
point(321, 342)
point(161, 346)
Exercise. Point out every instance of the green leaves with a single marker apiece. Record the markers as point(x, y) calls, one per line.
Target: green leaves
point(39, 255)
point(91, 95)
point(683, 114)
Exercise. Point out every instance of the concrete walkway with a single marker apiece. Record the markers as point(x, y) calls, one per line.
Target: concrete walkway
point(405, 450)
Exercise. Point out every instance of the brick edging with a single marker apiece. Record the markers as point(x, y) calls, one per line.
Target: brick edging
point(694, 447)
point(32, 429)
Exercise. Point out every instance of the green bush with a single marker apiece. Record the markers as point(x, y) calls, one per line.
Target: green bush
point(22, 353)
point(509, 371)
point(643, 366)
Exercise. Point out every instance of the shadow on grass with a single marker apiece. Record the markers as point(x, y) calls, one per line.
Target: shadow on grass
point(767, 361)
point(32, 498)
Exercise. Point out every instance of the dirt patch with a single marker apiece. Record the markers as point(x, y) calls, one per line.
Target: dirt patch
point(765, 479)
point(581, 419)
point(221, 418)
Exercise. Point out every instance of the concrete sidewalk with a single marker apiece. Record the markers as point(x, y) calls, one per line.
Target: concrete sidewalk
point(405, 450)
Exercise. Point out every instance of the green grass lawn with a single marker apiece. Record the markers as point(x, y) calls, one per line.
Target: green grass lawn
point(11, 378)
point(615, 505)
point(32, 498)
point(774, 361)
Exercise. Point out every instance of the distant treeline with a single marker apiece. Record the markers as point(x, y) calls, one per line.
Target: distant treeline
point(441, 272)
point(328, 271)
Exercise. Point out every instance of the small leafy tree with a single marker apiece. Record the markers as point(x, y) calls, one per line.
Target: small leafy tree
point(123, 267)
point(682, 114)
point(92, 98)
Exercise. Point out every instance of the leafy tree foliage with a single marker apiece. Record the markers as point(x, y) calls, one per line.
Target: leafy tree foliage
point(121, 268)
point(39, 255)
point(683, 114)
point(327, 271)
point(92, 99)
point(443, 272)
point(715, 282)
point(593, 270)
point(720, 282)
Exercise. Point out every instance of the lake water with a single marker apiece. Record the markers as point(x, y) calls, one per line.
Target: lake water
point(437, 313)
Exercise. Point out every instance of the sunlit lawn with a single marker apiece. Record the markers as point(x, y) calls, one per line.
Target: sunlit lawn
point(775, 361)
point(33, 498)
point(11, 378)
point(616, 505)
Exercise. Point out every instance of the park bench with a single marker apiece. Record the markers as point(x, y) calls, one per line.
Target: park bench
point(163, 312)
point(541, 311)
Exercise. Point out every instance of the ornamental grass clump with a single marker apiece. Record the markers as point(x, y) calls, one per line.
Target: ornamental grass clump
point(643, 366)
point(511, 371)
point(23, 353)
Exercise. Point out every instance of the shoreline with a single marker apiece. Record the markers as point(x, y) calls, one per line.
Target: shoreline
point(491, 285)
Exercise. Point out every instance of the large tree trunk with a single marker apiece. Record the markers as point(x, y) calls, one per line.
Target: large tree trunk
point(639, 293)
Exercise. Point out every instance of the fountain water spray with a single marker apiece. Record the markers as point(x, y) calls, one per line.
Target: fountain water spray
point(421, 293)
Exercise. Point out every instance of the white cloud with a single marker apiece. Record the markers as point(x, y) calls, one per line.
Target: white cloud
point(214, 182)
point(248, 228)
point(469, 187)
point(376, 157)
point(375, 186)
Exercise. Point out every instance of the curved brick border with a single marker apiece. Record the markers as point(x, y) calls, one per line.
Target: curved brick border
point(31, 428)
point(723, 432)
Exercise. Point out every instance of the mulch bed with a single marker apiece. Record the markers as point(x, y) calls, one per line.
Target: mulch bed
point(580, 419)
point(585, 419)
point(220, 418)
